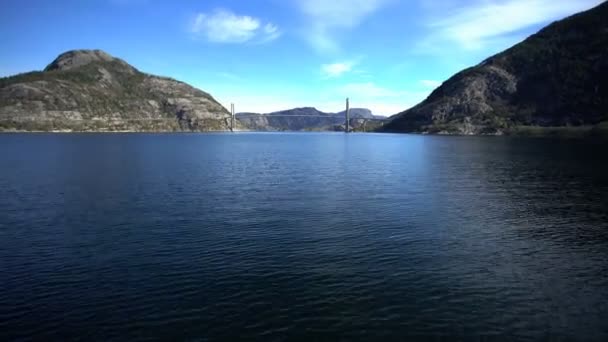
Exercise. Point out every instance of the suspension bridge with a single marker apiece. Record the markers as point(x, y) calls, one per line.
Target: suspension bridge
point(347, 118)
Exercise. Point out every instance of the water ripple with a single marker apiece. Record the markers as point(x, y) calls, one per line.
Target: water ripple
point(301, 236)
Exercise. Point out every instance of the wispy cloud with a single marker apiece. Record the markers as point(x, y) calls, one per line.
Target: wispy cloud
point(325, 17)
point(271, 32)
point(430, 83)
point(336, 69)
point(223, 26)
point(482, 22)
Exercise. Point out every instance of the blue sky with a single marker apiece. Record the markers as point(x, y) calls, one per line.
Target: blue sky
point(267, 55)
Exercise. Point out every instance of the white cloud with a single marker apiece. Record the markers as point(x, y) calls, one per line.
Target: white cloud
point(476, 25)
point(324, 17)
point(430, 83)
point(336, 69)
point(223, 26)
point(271, 32)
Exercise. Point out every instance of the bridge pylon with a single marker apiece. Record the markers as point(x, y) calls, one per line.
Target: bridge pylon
point(347, 114)
point(232, 117)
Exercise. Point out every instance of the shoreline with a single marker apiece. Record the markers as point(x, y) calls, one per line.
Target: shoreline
point(586, 131)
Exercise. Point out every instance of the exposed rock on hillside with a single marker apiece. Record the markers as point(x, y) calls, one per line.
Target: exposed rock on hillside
point(89, 90)
point(557, 77)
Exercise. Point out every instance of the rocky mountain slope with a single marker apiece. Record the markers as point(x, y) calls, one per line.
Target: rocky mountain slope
point(89, 90)
point(556, 77)
point(307, 119)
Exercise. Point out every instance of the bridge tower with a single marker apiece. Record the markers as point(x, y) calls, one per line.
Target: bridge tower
point(232, 117)
point(347, 113)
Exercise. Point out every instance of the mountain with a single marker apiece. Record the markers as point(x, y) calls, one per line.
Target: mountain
point(556, 77)
point(360, 113)
point(308, 119)
point(89, 90)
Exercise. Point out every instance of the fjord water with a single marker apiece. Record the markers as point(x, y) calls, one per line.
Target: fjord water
point(301, 236)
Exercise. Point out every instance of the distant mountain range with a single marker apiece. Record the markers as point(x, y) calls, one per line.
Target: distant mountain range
point(309, 119)
point(89, 90)
point(556, 77)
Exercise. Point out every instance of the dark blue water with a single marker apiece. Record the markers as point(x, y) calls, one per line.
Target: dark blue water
point(301, 236)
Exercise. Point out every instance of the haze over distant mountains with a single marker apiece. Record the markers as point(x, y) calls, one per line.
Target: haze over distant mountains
point(556, 77)
point(309, 119)
point(89, 90)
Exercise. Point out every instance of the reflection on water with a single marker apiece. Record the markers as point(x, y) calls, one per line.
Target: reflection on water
point(331, 236)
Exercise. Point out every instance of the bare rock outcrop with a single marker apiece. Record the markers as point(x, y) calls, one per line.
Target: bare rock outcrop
point(558, 77)
point(89, 90)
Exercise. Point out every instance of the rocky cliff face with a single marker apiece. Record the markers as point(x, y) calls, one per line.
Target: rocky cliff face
point(89, 90)
point(557, 77)
point(307, 119)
